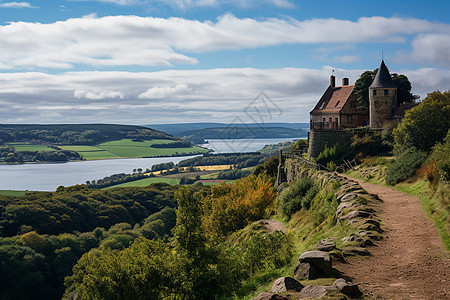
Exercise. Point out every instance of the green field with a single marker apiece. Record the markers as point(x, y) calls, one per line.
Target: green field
point(12, 193)
point(146, 181)
point(124, 148)
point(30, 147)
point(90, 152)
point(129, 148)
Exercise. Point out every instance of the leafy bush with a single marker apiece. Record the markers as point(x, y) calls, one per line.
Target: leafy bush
point(295, 197)
point(438, 163)
point(334, 154)
point(426, 124)
point(405, 165)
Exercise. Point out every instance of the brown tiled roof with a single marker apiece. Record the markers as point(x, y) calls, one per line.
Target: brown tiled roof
point(333, 99)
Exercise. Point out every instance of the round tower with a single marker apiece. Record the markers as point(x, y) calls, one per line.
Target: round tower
point(382, 98)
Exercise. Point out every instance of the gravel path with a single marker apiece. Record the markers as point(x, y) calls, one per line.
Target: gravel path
point(411, 262)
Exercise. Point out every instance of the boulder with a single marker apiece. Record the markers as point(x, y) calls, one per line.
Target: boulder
point(305, 270)
point(356, 214)
point(316, 291)
point(352, 251)
point(326, 245)
point(285, 284)
point(319, 261)
point(270, 296)
point(347, 288)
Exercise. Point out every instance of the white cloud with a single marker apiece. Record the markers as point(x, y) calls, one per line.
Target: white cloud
point(16, 5)
point(165, 92)
point(133, 40)
point(431, 48)
point(176, 95)
point(98, 95)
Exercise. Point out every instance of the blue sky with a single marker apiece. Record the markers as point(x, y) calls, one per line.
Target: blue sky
point(158, 61)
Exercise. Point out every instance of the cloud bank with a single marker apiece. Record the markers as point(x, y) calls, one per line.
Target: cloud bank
point(147, 41)
point(175, 96)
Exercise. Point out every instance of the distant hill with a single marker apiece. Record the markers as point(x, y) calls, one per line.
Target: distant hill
point(197, 132)
point(76, 134)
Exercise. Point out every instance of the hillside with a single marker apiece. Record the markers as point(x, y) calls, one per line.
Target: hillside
point(198, 132)
point(63, 142)
point(76, 134)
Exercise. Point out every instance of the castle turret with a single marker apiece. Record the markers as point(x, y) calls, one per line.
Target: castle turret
point(382, 98)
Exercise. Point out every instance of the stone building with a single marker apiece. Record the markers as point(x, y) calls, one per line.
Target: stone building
point(338, 109)
point(382, 98)
point(336, 115)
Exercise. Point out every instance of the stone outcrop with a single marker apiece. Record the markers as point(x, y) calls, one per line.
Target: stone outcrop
point(326, 245)
point(285, 284)
point(347, 288)
point(316, 291)
point(313, 264)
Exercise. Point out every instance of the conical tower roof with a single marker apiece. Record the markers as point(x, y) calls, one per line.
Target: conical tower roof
point(383, 78)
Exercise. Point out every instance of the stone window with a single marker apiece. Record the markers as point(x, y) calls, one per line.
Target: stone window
point(350, 119)
point(374, 92)
point(386, 92)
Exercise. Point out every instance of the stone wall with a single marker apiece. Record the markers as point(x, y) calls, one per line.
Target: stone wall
point(318, 139)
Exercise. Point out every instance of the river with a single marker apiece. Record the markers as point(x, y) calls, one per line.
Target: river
point(243, 145)
point(48, 176)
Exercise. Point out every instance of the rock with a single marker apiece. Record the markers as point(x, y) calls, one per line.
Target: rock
point(347, 288)
point(326, 245)
point(316, 291)
point(356, 214)
point(270, 296)
point(307, 271)
point(285, 284)
point(320, 263)
point(349, 197)
point(351, 251)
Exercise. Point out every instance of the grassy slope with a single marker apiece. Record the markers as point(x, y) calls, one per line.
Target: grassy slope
point(306, 227)
point(128, 148)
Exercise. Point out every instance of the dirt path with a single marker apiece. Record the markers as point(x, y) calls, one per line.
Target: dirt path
point(411, 262)
point(273, 225)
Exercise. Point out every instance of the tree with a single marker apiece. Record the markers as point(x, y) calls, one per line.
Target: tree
point(426, 124)
point(366, 79)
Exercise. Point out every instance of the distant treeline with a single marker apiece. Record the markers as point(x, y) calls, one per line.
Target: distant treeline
point(115, 179)
point(173, 145)
point(240, 160)
point(75, 134)
point(9, 155)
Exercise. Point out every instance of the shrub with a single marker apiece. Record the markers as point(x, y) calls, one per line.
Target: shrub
point(296, 197)
point(405, 165)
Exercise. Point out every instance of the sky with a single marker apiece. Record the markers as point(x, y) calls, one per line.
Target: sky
point(157, 61)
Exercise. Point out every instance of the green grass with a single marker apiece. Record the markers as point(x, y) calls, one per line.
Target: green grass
point(128, 148)
point(90, 152)
point(30, 147)
point(80, 148)
point(146, 181)
point(12, 193)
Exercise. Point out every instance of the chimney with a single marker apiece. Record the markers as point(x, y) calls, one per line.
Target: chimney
point(344, 81)
point(332, 81)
